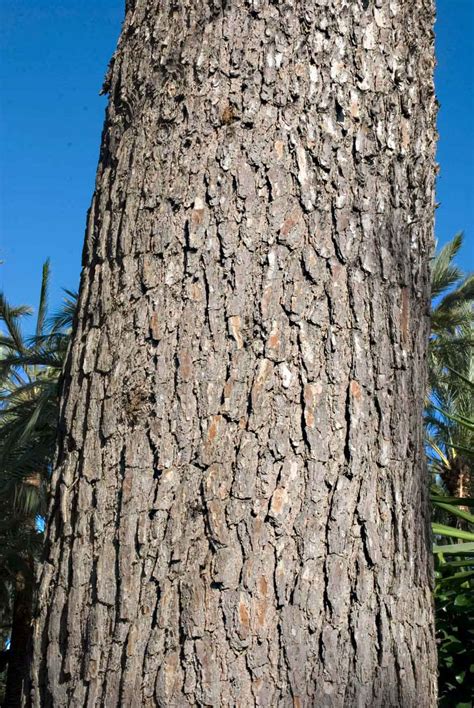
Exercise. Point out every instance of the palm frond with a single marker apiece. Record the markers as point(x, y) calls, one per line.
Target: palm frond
point(444, 274)
point(35, 357)
point(11, 316)
point(64, 318)
point(463, 294)
point(43, 300)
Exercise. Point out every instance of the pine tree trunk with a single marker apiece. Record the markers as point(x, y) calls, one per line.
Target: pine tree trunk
point(241, 515)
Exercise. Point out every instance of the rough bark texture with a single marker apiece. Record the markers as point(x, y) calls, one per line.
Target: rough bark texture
point(240, 515)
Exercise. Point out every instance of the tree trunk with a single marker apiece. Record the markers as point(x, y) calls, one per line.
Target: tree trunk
point(240, 515)
point(20, 640)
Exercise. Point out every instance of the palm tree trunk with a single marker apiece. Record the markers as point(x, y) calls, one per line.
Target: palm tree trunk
point(20, 641)
point(457, 479)
point(240, 514)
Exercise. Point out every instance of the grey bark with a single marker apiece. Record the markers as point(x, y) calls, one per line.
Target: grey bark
point(240, 509)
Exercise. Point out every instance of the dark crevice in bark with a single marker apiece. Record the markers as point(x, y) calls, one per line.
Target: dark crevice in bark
point(379, 626)
point(347, 449)
point(205, 517)
point(116, 541)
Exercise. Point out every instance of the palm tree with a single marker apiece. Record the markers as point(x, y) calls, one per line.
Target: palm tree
point(30, 371)
point(451, 372)
point(449, 422)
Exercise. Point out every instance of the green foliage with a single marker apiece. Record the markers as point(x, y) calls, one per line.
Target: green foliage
point(30, 371)
point(449, 422)
point(454, 599)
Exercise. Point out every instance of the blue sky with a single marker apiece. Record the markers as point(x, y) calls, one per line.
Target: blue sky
point(53, 59)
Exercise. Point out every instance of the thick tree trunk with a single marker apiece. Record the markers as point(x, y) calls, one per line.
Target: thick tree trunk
point(240, 516)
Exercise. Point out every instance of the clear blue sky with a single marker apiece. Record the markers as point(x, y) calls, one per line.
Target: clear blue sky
point(53, 59)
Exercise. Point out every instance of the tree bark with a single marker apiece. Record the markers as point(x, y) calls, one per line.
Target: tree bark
point(240, 515)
